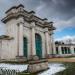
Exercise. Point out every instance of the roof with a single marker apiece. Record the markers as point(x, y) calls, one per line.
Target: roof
point(65, 44)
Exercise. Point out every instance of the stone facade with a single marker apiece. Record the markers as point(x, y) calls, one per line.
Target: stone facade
point(20, 23)
point(37, 66)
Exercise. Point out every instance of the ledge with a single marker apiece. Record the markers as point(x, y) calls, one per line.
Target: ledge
point(5, 37)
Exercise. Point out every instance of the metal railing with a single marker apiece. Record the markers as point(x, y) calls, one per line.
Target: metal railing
point(8, 72)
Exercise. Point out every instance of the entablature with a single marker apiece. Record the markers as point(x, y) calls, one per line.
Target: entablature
point(19, 11)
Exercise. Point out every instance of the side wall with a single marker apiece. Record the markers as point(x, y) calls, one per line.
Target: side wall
point(9, 47)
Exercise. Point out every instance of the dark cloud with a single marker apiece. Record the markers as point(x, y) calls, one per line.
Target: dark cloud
point(62, 8)
point(60, 11)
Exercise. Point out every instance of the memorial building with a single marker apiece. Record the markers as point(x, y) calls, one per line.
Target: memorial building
point(26, 35)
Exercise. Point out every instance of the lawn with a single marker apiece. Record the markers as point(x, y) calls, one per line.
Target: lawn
point(70, 69)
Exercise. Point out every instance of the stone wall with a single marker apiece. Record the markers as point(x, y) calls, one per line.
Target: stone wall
point(9, 47)
point(20, 23)
point(36, 66)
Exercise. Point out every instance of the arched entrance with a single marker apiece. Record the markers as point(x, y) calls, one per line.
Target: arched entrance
point(38, 42)
point(25, 47)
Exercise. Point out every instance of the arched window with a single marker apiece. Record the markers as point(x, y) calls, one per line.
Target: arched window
point(38, 42)
point(74, 50)
point(25, 47)
point(65, 50)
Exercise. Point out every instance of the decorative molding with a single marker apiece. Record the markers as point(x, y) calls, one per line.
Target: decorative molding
point(45, 29)
point(28, 16)
point(32, 25)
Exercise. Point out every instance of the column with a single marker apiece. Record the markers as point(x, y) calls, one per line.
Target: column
point(72, 49)
point(20, 39)
point(59, 49)
point(43, 46)
point(47, 41)
point(52, 43)
point(33, 39)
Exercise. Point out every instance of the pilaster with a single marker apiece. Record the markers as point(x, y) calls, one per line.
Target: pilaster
point(33, 39)
point(52, 44)
point(20, 39)
point(72, 50)
point(47, 41)
point(59, 49)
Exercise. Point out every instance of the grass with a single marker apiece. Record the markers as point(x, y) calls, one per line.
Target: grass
point(70, 69)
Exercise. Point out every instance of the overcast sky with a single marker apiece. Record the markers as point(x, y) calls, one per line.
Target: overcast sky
point(61, 12)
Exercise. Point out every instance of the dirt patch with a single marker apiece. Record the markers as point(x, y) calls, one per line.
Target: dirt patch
point(61, 60)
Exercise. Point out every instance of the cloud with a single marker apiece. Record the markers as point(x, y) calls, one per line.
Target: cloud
point(61, 12)
point(61, 24)
point(40, 7)
point(67, 39)
point(2, 29)
point(60, 8)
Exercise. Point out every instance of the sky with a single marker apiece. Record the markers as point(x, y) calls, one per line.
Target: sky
point(61, 12)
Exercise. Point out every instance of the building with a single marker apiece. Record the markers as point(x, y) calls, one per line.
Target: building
point(63, 49)
point(26, 35)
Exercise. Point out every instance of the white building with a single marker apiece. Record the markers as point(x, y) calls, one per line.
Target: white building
point(26, 35)
point(65, 49)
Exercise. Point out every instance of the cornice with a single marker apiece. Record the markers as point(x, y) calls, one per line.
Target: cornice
point(28, 16)
point(14, 7)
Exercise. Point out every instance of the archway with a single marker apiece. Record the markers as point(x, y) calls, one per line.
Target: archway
point(38, 42)
point(25, 47)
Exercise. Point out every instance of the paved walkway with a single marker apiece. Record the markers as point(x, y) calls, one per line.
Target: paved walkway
point(61, 60)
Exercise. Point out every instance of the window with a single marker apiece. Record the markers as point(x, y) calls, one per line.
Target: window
point(38, 41)
point(62, 48)
point(69, 51)
point(25, 48)
point(65, 50)
point(74, 50)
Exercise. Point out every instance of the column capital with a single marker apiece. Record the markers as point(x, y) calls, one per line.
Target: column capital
point(50, 32)
point(32, 25)
point(45, 29)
